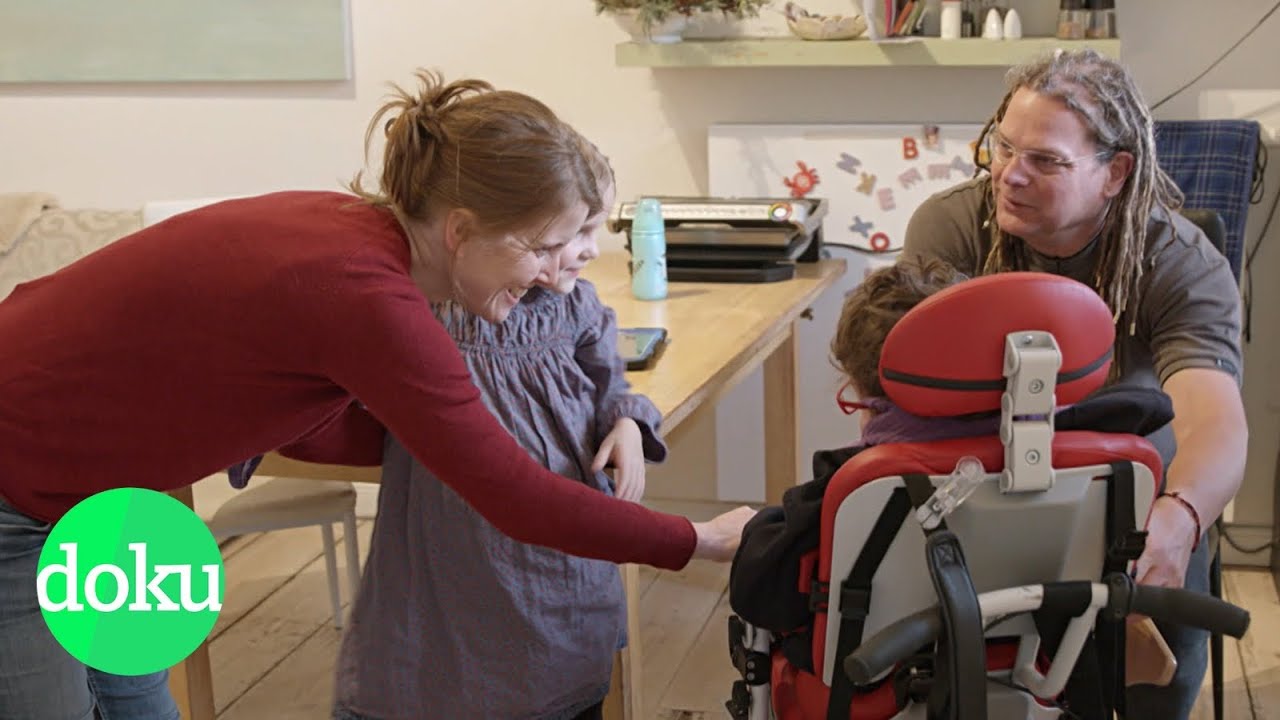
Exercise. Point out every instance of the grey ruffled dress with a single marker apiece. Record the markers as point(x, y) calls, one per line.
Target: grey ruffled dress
point(455, 619)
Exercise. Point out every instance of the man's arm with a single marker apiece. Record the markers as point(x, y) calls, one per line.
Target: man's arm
point(1212, 435)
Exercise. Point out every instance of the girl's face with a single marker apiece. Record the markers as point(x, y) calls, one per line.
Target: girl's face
point(850, 405)
point(491, 272)
point(581, 248)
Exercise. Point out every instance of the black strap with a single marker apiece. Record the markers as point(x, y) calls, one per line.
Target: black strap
point(920, 489)
point(1124, 544)
point(1124, 541)
point(855, 591)
point(962, 649)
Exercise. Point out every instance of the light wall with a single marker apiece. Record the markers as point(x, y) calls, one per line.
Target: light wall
point(122, 145)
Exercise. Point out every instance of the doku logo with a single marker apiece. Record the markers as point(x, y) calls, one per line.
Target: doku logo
point(130, 581)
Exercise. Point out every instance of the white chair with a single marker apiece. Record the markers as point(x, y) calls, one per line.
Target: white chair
point(281, 503)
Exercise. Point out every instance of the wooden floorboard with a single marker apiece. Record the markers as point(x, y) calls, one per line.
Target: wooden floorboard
point(1235, 691)
point(261, 567)
point(1260, 647)
point(276, 646)
point(702, 684)
point(264, 637)
point(673, 612)
point(300, 688)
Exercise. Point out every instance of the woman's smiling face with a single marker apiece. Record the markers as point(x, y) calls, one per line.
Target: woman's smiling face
point(491, 272)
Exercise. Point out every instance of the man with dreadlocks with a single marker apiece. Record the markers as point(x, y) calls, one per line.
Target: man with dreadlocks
point(1074, 189)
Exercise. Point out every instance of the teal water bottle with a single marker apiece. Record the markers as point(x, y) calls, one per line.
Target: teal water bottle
point(648, 251)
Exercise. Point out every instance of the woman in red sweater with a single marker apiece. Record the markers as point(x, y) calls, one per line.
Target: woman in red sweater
point(300, 322)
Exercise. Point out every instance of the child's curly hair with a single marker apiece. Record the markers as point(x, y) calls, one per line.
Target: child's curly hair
point(874, 307)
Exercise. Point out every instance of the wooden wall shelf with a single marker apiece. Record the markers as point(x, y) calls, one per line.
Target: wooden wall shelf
point(786, 52)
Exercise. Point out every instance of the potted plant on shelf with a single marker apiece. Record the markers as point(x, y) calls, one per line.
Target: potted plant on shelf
point(661, 21)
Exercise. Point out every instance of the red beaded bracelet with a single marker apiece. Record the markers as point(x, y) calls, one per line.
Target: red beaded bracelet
point(1195, 516)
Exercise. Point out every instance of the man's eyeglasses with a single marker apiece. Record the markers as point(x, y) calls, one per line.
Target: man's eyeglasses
point(1002, 152)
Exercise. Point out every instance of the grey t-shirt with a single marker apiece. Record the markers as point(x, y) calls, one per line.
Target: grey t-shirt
point(1188, 312)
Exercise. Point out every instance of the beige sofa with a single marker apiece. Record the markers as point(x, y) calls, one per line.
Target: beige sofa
point(38, 236)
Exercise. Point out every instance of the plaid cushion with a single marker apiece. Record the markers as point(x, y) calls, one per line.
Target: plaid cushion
point(1212, 161)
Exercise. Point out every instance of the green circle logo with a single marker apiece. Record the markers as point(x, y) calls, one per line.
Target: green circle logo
point(130, 581)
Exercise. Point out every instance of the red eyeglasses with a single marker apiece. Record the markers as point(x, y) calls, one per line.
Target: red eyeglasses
point(849, 407)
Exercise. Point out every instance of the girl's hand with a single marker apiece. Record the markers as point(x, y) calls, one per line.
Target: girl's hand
point(623, 448)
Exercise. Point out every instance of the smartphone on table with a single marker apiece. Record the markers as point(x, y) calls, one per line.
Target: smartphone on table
point(639, 346)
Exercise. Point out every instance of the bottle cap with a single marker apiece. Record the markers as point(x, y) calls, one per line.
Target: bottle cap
point(648, 216)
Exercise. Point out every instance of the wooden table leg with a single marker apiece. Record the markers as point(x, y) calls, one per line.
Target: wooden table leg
point(191, 681)
point(625, 701)
point(781, 420)
point(614, 702)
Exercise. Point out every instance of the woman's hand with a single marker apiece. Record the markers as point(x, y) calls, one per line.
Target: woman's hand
point(718, 538)
point(624, 449)
point(1169, 545)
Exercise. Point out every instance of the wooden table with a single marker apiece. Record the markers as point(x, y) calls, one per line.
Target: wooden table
point(720, 333)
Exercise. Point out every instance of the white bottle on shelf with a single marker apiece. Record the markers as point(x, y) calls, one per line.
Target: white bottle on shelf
point(1012, 25)
point(950, 20)
point(993, 27)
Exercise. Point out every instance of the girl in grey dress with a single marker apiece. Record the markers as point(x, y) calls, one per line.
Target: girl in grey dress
point(463, 621)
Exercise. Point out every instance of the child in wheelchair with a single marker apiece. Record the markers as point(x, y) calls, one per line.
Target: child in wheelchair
point(771, 585)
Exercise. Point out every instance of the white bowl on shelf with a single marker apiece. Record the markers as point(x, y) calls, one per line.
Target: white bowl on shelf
point(810, 26)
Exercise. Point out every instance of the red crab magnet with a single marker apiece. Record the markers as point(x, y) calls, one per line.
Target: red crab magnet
point(803, 182)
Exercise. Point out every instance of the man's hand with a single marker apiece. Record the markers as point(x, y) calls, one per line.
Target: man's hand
point(1169, 545)
point(1212, 440)
point(623, 448)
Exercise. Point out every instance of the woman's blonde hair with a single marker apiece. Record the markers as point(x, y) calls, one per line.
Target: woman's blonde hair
point(502, 155)
point(1105, 97)
point(874, 307)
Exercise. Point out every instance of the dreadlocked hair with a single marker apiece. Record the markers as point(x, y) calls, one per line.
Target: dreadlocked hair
point(1105, 97)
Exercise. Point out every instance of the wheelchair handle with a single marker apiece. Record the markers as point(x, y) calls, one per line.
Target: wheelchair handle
point(1174, 605)
point(893, 644)
point(897, 641)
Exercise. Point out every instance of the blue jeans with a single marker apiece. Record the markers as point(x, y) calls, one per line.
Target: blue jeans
point(38, 679)
point(1190, 647)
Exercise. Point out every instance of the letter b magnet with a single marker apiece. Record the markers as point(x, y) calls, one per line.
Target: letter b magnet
point(130, 581)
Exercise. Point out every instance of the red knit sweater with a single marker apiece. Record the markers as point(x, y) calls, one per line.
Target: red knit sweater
point(254, 325)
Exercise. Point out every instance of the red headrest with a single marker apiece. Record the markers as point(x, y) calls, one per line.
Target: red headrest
point(946, 356)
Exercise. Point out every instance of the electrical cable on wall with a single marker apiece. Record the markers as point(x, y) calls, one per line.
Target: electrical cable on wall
point(1257, 190)
point(1256, 194)
point(848, 246)
point(1248, 261)
point(1221, 57)
point(1226, 535)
